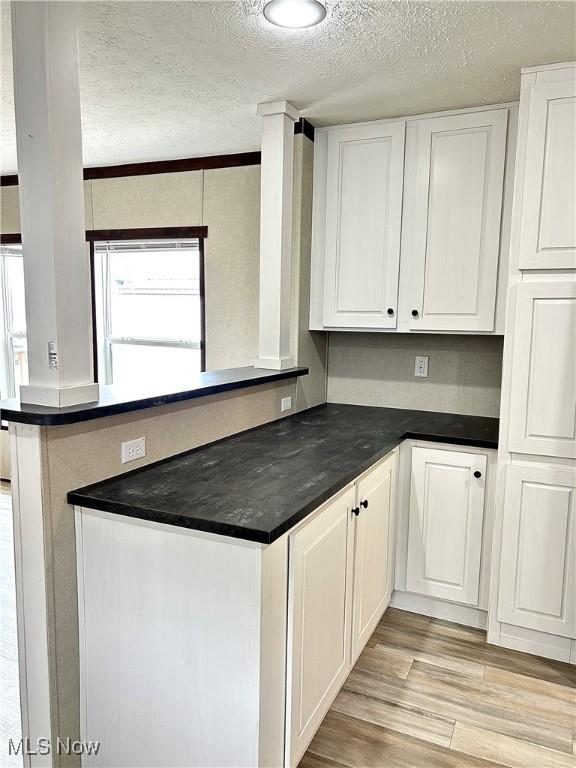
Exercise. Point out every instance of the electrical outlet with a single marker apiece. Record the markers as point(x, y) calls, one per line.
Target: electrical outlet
point(421, 367)
point(286, 404)
point(133, 449)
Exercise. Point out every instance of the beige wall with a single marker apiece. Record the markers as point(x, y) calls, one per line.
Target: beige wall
point(228, 202)
point(232, 214)
point(73, 456)
point(378, 369)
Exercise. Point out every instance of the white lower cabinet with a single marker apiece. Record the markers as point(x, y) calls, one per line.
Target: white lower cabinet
point(340, 582)
point(446, 512)
point(537, 587)
point(320, 582)
point(372, 553)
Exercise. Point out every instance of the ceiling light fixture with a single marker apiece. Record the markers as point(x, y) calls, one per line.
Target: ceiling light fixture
point(295, 13)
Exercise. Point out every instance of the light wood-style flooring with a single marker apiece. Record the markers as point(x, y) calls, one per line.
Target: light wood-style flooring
point(430, 694)
point(9, 687)
point(423, 694)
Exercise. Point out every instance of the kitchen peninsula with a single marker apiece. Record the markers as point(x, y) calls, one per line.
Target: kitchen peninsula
point(241, 581)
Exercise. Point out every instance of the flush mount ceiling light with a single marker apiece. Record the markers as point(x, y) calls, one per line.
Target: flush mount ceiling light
point(295, 13)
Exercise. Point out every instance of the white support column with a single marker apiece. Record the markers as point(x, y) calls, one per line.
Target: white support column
point(276, 347)
point(49, 144)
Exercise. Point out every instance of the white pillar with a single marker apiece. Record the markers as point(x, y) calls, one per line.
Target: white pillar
point(276, 348)
point(49, 144)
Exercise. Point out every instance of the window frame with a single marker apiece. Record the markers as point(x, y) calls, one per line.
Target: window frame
point(153, 233)
point(93, 236)
point(8, 379)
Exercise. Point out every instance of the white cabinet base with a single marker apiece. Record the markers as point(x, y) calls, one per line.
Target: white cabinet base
point(170, 621)
point(466, 615)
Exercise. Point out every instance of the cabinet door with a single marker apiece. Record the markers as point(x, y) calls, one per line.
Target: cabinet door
point(457, 211)
point(543, 401)
point(548, 197)
point(372, 563)
point(445, 524)
point(538, 564)
point(363, 220)
point(319, 621)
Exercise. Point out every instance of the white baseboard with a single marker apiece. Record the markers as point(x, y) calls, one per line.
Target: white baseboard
point(440, 609)
point(537, 643)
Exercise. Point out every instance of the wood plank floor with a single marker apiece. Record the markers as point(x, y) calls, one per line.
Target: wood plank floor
point(423, 694)
point(9, 687)
point(430, 694)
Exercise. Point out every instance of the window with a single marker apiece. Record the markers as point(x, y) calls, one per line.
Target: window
point(149, 312)
point(148, 307)
point(14, 349)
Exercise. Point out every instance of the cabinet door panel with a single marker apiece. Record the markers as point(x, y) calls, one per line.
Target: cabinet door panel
point(319, 622)
point(363, 220)
point(548, 218)
point(445, 524)
point(538, 566)
point(543, 402)
point(372, 567)
point(458, 201)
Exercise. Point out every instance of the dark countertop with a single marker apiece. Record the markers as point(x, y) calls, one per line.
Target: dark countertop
point(115, 400)
point(258, 484)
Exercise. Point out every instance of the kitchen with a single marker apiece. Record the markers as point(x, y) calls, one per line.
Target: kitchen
point(357, 512)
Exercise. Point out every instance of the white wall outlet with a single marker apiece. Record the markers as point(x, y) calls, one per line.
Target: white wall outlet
point(133, 449)
point(421, 367)
point(286, 404)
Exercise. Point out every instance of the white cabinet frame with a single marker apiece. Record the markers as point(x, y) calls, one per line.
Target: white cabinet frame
point(543, 371)
point(363, 226)
point(441, 483)
point(547, 202)
point(456, 242)
point(538, 565)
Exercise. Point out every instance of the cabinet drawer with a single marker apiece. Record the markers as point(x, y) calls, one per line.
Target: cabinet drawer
point(543, 386)
point(537, 588)
point(445, 524)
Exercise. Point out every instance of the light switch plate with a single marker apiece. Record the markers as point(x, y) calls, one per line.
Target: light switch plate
point(421, 367)
point(133, 449)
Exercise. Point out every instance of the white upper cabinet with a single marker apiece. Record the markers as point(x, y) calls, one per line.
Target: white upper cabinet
point(543, 371)
point(455, 227)
point(410, 223)
point(445, 524)
point(363, 223)
point(547, 156)
point(538, 564)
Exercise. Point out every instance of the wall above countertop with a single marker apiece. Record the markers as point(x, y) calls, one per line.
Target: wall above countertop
point(464, 373)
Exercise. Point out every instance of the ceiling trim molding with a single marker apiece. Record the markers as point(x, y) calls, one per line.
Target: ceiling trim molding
point(208, 162)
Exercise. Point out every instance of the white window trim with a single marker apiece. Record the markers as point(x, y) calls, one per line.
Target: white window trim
point(105, 338)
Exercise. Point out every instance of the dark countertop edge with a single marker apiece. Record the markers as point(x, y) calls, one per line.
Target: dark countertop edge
point(78, 498)
point(52, 417)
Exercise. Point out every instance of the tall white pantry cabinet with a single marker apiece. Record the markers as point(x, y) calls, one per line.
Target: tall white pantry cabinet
point(533, 584)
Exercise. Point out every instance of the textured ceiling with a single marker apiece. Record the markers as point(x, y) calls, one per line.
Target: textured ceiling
point(164, 80)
